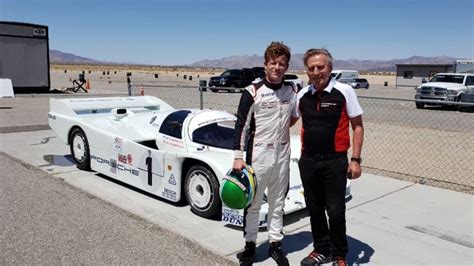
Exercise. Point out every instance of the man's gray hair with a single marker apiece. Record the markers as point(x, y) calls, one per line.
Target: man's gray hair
point(317, 51)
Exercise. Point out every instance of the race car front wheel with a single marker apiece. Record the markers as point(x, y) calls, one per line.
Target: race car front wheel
point(202, 191)
point(80, 149)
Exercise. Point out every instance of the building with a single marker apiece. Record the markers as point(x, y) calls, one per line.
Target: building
point(412, 75)
point(24, 56)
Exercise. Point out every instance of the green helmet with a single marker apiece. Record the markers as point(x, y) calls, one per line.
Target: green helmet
point(238, 188)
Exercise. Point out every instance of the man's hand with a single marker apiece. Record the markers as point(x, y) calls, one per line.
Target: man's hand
point(354, 170)
point(238, 165)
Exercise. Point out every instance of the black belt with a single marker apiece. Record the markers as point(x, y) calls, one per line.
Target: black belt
point(324, 156)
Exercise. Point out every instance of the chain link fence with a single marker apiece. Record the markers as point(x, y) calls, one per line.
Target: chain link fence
point(430, 146)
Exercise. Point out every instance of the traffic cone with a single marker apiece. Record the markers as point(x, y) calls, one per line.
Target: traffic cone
point(88, 86)
point(142, 91)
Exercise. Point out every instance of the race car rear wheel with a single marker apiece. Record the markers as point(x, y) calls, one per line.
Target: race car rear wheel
point(80, 149)
point(202, 191)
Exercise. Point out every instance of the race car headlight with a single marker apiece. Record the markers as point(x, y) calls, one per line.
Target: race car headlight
point(452, 92)
point(222, 81)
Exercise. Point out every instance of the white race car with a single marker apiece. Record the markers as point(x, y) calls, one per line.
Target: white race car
point(172, 153)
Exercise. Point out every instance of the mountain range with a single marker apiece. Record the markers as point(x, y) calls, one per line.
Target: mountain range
point(296, 62)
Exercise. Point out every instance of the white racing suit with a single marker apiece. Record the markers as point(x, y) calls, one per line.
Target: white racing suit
point(262, 129)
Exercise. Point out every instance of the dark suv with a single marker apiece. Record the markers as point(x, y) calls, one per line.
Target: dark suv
point(232, 78)
point(259, 72)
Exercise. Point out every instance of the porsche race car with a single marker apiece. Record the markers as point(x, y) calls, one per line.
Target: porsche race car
point(176, 154)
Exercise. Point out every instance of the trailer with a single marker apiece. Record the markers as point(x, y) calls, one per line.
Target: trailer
point(464, 66)
point(24, 56)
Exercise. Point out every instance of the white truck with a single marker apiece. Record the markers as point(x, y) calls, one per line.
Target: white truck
point(444, 88)
point(345, 74)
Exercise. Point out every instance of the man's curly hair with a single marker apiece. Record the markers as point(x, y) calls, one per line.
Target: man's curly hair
point(276, 49)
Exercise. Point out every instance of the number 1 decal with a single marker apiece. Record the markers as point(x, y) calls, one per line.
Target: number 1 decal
point(148, 162)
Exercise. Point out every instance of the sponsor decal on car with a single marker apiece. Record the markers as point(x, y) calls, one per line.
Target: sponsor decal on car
point(172, 180)
point(51, 116)
point(232, 217)
point(169, 194)
point(114, 166)
point(118, 144)
point(129, 158)
point(211, 121)
point(122, 158)
point(173, 142)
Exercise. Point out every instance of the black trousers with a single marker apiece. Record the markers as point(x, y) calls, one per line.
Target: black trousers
point(324, 183)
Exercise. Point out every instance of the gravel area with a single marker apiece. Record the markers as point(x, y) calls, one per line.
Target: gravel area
point(46, 221)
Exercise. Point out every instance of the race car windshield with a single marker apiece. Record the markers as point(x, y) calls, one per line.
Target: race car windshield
point(215, 135)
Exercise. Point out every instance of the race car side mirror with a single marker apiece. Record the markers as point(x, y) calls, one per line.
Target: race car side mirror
point(119, 113)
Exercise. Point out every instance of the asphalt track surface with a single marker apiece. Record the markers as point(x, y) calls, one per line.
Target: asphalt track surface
point(47, 221)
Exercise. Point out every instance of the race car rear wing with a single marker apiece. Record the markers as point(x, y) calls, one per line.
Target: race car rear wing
point(81, 106)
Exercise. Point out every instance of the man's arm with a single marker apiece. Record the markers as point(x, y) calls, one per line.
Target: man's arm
point(245, 104)
point(293, 120)
point(357, 140)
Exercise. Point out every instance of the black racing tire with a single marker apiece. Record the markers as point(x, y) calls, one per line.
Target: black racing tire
point(214, 90)
point(202, 191)
point(79, 147)
point(420, 105)
point(367, 87)
point(357, 86)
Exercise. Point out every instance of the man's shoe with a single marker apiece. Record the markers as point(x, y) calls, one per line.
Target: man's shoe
point(339, 261)
point(315, 258)
point(247, 257)
point(277, 254)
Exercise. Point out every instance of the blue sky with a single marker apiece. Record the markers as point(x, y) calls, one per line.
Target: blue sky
point(177, 32)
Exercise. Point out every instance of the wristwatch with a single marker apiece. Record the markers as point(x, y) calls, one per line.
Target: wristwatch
point(358, 160)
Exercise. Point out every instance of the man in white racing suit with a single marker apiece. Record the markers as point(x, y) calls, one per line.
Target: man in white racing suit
point(266, 111)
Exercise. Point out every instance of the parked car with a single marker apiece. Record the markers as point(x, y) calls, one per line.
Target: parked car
point(293, 78)
point(466, 101)
point(444, 88)
point(358, 83)
point(175, 154)
point(259, 72)
point(232, 79)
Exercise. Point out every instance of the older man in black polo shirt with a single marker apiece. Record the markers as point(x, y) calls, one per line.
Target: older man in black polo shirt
point(327, 107)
